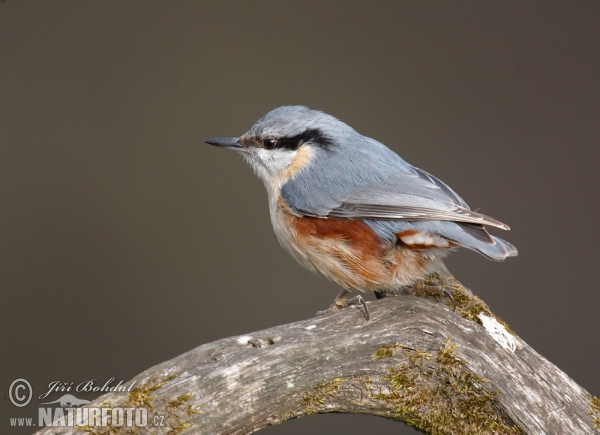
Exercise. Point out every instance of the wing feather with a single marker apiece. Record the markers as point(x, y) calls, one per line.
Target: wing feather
point(411, 213)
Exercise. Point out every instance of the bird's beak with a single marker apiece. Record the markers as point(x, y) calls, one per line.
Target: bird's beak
point(226, 142)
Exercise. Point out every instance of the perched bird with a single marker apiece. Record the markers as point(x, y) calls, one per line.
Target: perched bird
point(350, 209)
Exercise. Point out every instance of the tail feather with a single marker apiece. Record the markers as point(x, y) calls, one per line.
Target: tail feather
point(478, 239)
point(504, 249)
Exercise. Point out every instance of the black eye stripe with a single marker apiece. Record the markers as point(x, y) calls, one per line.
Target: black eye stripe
point(289, 143)
point(315, 136)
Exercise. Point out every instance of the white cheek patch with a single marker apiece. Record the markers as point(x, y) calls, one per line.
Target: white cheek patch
point(275, 160)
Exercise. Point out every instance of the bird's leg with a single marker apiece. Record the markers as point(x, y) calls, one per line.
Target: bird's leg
point(341, 301)
point(341, 298)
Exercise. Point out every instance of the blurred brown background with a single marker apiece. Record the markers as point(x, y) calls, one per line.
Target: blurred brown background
point(125, 240)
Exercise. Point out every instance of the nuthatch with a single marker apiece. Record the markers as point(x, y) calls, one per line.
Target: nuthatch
point(350, 209)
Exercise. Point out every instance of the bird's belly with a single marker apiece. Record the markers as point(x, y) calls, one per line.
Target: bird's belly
point(349, 253)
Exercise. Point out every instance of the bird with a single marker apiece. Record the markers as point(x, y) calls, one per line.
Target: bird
point(350, 209)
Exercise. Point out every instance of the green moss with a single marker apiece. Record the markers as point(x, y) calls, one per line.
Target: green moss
point(314, 399)
point(286, 415)
point(174, 415)
point(432, 392)
point(446, 354)
point(142, 396)
point(444, 397)
point(467, 304)
point(595, 411)
point(387, 351)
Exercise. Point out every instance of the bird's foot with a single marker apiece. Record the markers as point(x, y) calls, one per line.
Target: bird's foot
point(419, 288)
point(342, 302)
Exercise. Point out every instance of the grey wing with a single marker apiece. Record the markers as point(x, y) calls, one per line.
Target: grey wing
point(414, 197)
point(375, 183)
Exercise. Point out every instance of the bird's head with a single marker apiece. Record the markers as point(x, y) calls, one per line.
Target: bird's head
point(285, 140)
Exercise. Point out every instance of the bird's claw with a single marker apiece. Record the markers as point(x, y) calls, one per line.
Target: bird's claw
point(342, 302)
point(435, 289)
point(449, 295)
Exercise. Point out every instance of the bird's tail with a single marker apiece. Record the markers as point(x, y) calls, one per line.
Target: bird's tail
point(476, 238)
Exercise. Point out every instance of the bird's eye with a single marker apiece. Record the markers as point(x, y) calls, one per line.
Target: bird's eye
point(269, 144)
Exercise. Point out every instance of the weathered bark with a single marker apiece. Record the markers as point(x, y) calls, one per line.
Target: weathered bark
point(415, 361)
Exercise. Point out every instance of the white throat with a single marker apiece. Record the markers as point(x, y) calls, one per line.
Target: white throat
point(270, 166)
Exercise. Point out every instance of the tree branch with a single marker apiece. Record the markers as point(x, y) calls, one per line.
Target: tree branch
point(416, 361)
